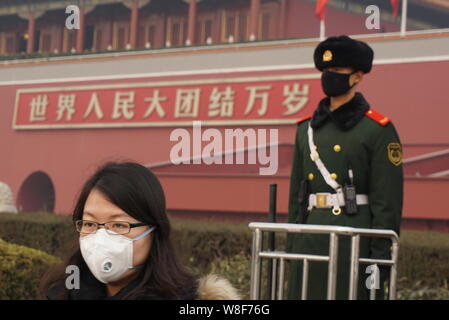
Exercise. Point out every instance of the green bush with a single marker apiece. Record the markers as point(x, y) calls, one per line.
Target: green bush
point(50, 233)
point(201, 243)
point(21, 269)
point(424, 259)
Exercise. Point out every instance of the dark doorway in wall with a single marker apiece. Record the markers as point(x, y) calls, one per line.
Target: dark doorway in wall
point(89, 37)
point(37, 41)
point(22, 43)
point(36, 193)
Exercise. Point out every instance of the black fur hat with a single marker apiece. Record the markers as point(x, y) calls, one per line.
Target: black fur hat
point(343, 51)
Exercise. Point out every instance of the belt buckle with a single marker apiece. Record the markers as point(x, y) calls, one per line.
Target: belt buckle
point(321, 200)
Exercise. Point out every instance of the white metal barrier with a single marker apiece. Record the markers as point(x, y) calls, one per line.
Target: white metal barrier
point(334, 232)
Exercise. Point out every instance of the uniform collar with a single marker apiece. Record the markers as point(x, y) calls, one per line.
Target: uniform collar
point(346, 116)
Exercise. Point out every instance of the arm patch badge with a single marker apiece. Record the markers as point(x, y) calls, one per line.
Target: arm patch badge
point(395, 153)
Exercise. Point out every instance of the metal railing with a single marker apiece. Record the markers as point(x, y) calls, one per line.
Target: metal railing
point(334, 232)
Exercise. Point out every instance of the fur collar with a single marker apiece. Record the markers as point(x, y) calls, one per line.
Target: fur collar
point(213, 287)
point(346, 116)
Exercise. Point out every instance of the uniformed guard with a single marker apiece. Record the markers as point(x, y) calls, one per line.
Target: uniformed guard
point(347, 171)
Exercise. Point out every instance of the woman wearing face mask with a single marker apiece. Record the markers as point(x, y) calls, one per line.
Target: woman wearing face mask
point(125, 249)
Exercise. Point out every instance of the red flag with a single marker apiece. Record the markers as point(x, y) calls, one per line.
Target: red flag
point(320, 9)
point(395, 5)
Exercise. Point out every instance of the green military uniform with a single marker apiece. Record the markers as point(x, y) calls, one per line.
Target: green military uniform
point(351, 137)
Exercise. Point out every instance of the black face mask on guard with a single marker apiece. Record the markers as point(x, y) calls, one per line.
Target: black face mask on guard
point(336, 84)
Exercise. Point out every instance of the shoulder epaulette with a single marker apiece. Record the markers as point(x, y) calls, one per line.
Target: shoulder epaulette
point(376, 116)
point(303, 119)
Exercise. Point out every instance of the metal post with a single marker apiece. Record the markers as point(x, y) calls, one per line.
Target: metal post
point(404, 17)
point(255, 265)
point(376, 274)
point(281, 279)
point(273, 280)
point(393, 270)
point(372, 293)
point(354, 276)
point(305, 279)
point(332, 275)
point(322, 29)
point(271, 236)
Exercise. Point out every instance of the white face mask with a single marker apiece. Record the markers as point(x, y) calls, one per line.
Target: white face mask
point(108, 256)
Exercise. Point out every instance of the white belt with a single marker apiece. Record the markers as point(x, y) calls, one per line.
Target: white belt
point(333, 200)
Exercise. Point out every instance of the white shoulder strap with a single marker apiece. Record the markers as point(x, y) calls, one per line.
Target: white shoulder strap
point(320, 165)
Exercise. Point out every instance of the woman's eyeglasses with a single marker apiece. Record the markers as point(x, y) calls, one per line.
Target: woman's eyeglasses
point(113, 227)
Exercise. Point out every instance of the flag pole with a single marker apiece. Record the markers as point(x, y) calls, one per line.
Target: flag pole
point(322, 29)
point(404, 17)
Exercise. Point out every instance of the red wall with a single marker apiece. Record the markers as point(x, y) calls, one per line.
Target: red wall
point(413, 95)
